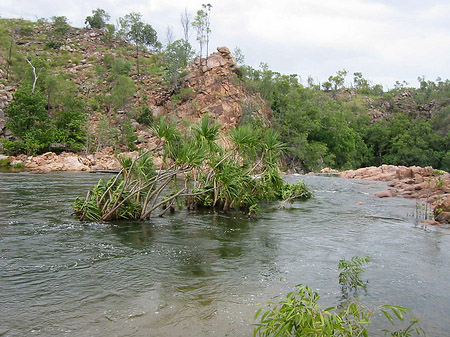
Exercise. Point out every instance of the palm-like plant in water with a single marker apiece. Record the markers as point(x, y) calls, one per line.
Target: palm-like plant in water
point(214, 175)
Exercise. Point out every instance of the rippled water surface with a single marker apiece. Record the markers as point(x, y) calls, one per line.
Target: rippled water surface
point(205, 274)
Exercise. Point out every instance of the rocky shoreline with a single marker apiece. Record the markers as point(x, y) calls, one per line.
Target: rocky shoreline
point(422, 183)
point(67, 161)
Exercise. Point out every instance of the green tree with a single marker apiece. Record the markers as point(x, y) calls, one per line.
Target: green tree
point(98, 19)
point(177, 55)
point(122, 91)
point(202, 25)
point(361, 84)
point(60, 26)
point(133, 29)
point(110, 29)
point(27, 112)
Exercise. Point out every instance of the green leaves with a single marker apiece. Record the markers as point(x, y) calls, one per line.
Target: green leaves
point(350, 275)
point(299, 314)
point(214, 175)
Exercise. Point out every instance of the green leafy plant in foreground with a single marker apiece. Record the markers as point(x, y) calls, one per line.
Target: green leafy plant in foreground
point(299, 314)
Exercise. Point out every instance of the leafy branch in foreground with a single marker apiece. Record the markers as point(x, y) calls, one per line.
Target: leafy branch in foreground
point(198, 170)
point(299, 314)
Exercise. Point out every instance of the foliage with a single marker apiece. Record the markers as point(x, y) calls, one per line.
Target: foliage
point(133, 29)
point(202, 25)
point(30, 121)
point(214, 176)
point(27, 112)
point(144, 115)
point(299, 314)
point(98, 19)
point(4, 162)
point(332, 128)
point(122, 91)
point(177, 55)
point(351, 271)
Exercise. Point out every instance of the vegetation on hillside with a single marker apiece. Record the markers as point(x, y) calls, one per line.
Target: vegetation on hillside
point(88, 94)
point(334, 126)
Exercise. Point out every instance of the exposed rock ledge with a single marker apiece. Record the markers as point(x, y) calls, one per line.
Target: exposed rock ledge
point(422, 183)
point(67, 161)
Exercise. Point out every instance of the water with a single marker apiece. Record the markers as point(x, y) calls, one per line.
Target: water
point(205, 274)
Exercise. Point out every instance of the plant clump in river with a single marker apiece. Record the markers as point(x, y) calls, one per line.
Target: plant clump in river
point(299, 314)
point(234, 172)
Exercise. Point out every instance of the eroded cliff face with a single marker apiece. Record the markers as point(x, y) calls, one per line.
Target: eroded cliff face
point(212, 86)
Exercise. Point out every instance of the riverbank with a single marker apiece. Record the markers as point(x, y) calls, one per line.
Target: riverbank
point(104, 160)
point(422, 183)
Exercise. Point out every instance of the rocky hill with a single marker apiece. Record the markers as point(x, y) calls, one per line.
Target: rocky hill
point(91, 61)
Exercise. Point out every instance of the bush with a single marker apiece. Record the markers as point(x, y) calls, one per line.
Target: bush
point(4, 162)
point(299, 314)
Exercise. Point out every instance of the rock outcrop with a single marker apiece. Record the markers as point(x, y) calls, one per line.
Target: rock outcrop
point(426, 184)
point(50, 161)
point(212, 86)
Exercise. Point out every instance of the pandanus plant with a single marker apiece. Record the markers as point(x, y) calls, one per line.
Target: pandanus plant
point(213, 175)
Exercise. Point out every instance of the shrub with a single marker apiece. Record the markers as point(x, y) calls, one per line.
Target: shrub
point(299, 314)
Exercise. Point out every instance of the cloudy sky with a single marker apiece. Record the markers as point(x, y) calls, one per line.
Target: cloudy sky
point(386, 40)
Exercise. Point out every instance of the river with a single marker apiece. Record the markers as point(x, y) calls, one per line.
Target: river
point(205, 273)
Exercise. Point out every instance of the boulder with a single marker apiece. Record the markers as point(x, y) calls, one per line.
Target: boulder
point(387, 193)
point(443, 217)
point(430, 223)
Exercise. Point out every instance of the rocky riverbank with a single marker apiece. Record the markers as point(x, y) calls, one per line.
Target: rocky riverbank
point(49, 162)
point(422, 183)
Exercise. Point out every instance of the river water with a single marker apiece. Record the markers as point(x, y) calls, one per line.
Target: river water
point(206, 273)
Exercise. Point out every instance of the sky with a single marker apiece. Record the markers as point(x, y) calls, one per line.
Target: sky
point(387, 41)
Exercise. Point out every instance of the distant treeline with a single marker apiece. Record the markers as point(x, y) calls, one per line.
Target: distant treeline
point(348, 127)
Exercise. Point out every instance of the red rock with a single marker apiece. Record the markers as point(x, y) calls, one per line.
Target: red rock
point(443, 217)
point(430, 223)
point(386, 194)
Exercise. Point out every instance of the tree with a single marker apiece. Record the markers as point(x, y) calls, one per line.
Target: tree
point(26, 112)
point(239, 56)
point(122, 91)
point(202, 25)
point(361, 84)
point(134, 30)
point(169, 34)
point(177, 55)
point(98, 19)
point(185, 20)
point(110, 29)
point(338, 80)
point(60, 25)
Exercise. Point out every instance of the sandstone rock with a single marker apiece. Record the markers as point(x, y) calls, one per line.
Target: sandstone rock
point(387, 193)
point(328, 170)
point(17, 162)
point(443, 217)
point(430, 223)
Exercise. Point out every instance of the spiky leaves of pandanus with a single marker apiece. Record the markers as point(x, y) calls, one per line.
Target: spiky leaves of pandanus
point(206, 133)
point(273, 147)
point(246, 140)
point(170, 136)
